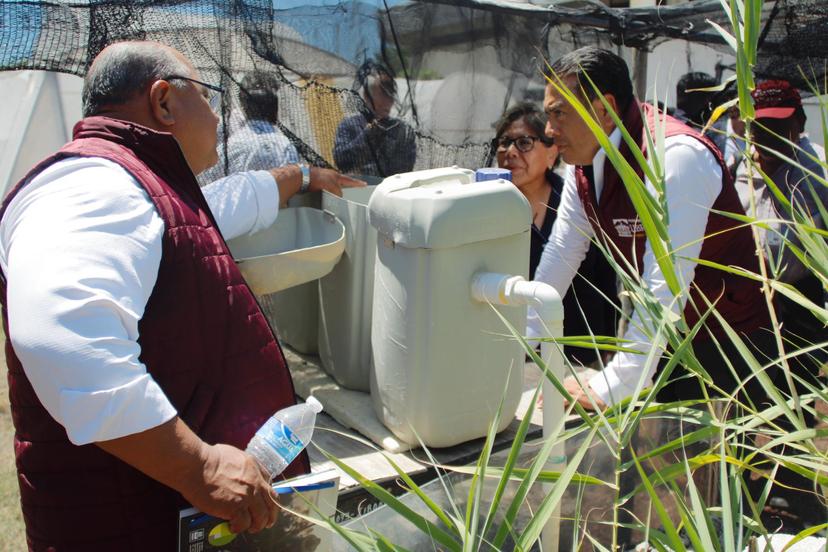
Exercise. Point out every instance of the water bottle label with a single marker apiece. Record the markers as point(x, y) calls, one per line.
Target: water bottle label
point(282, 440)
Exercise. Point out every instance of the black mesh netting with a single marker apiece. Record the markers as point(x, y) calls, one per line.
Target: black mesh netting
point(456, 65)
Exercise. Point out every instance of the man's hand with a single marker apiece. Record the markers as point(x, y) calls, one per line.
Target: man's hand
point(233, 486)
point(289, 181)
point(331, 181)
point(582, 395)
point(220, 480)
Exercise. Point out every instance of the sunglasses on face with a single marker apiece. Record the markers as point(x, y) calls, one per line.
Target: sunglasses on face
point(524, 144)
point(211, 91)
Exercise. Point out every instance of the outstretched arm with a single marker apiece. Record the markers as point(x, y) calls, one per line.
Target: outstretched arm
point(247, 202)
point(693, 181)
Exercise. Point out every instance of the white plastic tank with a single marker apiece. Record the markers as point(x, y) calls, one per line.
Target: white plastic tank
point(346, 293)
point(442, 362)
point(295, 311)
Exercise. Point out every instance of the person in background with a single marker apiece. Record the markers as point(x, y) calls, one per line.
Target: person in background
point(522, 147)
point(140, 364)
point(735, 144)
point(372, 142)
point(777, 135)
point(259, 144)
point(694, 107)
point(595, 204)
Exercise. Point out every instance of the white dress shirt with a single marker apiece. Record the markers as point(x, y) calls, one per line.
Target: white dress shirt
point(693, 181)
point(259, 145)
point(80, 247)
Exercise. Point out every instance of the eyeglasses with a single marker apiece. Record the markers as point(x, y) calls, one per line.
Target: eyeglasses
point(213, 96)
point(524, 144)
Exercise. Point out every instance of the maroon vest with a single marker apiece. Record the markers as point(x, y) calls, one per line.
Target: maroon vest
point(203, 338)
point(737, 299)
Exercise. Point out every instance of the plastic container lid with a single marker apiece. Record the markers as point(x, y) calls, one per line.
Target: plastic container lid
point(492, 173)
point(442, 208)
point(302, 245)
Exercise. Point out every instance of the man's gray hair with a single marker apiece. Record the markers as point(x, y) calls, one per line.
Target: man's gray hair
point(124, 69)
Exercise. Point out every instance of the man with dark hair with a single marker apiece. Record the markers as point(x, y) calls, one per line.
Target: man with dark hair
point(373, 143)
point(694, 106)
point(139, 362)
point(596, 205)
point(259, 144)
point(590, 303)
point(777, 136)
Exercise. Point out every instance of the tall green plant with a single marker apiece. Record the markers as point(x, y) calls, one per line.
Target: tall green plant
point(737, 438)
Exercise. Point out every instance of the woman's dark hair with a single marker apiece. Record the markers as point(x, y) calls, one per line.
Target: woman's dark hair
point(531, 115)
point(534, 118)
point(607, 72)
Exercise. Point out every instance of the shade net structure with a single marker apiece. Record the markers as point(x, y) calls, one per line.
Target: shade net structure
point(455, 66)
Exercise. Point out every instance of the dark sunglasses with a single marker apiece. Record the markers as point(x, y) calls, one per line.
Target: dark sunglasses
point(213, 97)
point(524, 144)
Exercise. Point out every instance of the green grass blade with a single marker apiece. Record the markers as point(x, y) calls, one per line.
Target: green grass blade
point(804, 534)
point(427, 527)
point(476, 487)
point(511, 461)
point(706, 538)
point(670, 530)
point(533, 529)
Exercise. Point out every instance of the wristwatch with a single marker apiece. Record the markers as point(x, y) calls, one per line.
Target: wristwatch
point(305, 178)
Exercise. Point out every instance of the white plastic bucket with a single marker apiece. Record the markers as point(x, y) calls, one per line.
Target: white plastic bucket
point(302, 245)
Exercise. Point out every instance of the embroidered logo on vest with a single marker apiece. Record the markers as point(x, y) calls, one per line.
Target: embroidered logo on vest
point(628, 228)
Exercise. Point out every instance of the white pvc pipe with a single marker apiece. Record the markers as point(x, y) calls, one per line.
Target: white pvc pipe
point(504, 289)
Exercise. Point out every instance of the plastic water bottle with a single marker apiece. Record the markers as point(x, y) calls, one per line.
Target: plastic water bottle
point(284, 436)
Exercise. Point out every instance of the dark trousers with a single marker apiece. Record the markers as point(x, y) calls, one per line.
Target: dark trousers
point(684, 386)
point(800, 329)
point(803, 505)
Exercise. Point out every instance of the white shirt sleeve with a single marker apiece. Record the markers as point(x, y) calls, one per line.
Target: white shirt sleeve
point(567, 246)
point(243, 203)
point(693, 182)
point(80, 248)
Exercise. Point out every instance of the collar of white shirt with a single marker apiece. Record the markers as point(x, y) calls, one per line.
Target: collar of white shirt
point(600, 159)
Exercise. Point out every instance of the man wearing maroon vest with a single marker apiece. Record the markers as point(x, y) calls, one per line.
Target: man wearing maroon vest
point(595, 205)
point(139, 361)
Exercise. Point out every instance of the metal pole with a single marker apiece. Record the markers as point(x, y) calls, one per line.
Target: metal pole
point(639, 73)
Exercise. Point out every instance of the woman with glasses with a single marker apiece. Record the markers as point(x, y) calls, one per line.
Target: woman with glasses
point(521, 146)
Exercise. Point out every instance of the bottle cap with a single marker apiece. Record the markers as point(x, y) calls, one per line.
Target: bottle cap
point(492, 173)
point(315, 405)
